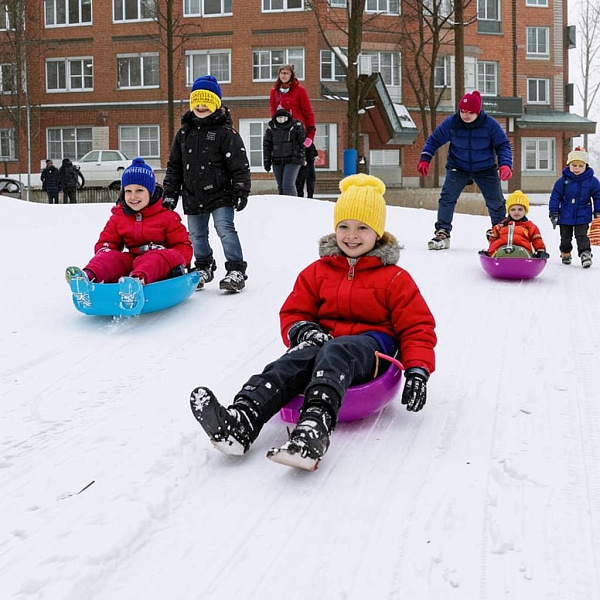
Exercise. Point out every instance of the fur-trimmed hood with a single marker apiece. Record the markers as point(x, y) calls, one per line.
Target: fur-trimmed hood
point(387, 248)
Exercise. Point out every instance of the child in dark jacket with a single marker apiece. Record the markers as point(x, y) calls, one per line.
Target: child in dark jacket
point(477, 146)
point(51, 182)
point(155, 238)
point(284, 150)
point(517, 229)
point(574, 201)
point(209, 167)
point(349, 304)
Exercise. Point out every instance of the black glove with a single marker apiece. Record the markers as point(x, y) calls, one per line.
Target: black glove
point(240, 202)
point(267, 166)
point(540, 254)
point(554, 220)
point(414, 394)
point(306, 333)
point(169, 203)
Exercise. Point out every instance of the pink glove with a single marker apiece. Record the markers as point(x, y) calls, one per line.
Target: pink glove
point(505, 173)
point(423, 168)
point(308, 143)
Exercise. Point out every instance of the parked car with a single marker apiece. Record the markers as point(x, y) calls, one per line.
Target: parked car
point(10, 187)
point(103, 168)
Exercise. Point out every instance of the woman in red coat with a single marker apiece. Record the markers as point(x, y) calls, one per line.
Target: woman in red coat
point(525, 233)
point(155, 238)
point(352, 302)
point(287, 93)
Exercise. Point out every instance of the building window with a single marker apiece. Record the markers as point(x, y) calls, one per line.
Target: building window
point(538, 42)
point(68, 12)
point(538, 154)
point(137, 71)
point(282, 5)
point(326, 145)
point(207, 8)
point(7, 144)
point(488, 16)
point(443, 74)
point(134, 10)
point(338, 3)
point(70, 74)
point(538, 91)
point(390, 7)
point(142, 140)
point(385, 63)
point(487, 78)
point(542, 3)
point(211, 62)
point(68, 142)
point(385, 158)
point(266, 63)
point(331, 67)
point(7, 78)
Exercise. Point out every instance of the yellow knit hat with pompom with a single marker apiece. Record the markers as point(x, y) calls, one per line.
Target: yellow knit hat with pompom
point(361, 199)
point(517, 197)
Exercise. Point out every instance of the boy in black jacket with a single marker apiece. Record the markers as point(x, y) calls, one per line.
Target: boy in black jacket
point(209, 167)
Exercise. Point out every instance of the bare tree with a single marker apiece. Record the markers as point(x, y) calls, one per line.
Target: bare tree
point(589, 56)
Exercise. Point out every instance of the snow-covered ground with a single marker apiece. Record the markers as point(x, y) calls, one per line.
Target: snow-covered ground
point(110, 490)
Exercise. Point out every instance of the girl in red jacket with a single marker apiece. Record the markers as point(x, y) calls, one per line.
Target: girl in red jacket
point(343, 308)
point(155, 239)
point(525, 234)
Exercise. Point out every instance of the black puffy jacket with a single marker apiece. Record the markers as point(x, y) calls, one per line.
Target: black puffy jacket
point(283, 142)
point(208, 165)
point(69, 176)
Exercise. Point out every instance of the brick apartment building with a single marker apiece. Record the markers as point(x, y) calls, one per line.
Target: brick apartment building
point(95, 76)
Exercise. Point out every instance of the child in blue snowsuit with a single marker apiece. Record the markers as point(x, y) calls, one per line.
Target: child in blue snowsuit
point(575, 198)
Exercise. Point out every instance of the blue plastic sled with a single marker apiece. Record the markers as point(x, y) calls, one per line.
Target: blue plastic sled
point(129, 297)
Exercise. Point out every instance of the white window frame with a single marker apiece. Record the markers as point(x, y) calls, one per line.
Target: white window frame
point(142, 57)
point(370, 61)
point(5, 24)
point(270, 59)
point(537, 3)
point(60, 9)
point(538, 151)
point(386, 7)
point(7, 74)
point(193, 71)
point(488, 77)
point(198, 8)
point(384, 158)
point(145, 142)
point(337, 3)
point(540, 83)
point(270, 6)
point(443, 65)
point(147, 8)
point(536, 37)
point(69, 65)
point(7, 142)
point(78, 137)
point(329, 61)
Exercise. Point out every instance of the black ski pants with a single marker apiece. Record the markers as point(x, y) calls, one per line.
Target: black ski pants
point(566, 236)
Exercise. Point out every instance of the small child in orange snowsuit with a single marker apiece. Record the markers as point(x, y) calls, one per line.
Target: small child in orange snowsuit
point(525, 233)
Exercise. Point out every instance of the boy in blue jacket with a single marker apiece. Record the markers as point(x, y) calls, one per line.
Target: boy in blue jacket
point(574, 200)
point(478, 146)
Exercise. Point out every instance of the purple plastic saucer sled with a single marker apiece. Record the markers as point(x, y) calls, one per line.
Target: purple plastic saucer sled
point(512, 268)
point(361, 400)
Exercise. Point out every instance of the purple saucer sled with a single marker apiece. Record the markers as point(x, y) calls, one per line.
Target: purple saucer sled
point(512, 268)
point(360, 401)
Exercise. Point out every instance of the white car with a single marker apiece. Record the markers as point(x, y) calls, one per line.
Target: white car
point(103, 168)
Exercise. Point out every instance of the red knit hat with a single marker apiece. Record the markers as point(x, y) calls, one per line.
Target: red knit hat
point(470, 102)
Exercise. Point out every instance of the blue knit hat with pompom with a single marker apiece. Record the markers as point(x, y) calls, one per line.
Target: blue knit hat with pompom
point(139, 173)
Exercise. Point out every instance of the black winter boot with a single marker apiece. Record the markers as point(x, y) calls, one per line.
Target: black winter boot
point(309, 440)
point(231, 430)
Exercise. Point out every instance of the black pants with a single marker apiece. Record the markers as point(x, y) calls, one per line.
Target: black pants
point(307, 175)
point(71, 194)
point(581, 237)
point(340, 363)
point(52, 197)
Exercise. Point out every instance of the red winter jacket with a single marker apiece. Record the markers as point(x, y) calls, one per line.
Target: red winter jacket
point(526, 235)
point(370, 293)
point(137, 232)
point(297, 102)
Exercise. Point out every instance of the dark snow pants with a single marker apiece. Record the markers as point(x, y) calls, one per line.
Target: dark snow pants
point(340, 363)
point(581, 237)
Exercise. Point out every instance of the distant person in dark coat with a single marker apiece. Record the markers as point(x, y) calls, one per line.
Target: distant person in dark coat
point(50, 182)
point(69, 178)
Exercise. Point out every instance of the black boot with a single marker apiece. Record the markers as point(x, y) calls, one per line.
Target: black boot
point(309, 440)
point(231, 430)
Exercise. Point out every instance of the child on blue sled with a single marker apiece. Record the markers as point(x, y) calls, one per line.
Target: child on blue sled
point(156, 240)
point(349, 304)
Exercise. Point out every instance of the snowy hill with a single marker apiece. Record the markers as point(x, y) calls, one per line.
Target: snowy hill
point(111, 491)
